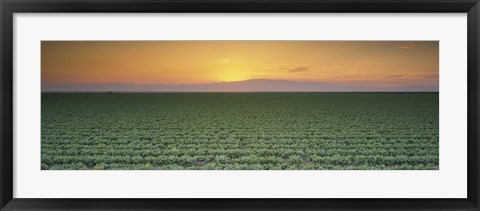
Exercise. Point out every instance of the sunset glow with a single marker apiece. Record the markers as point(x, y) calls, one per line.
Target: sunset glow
point(372, 63)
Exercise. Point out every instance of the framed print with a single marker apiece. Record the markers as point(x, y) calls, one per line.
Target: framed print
point(227, 105)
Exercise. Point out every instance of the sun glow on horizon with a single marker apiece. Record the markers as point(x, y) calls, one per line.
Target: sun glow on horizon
point(377, 63)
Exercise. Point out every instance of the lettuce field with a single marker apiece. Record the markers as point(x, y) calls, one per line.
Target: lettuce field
point(239, 131)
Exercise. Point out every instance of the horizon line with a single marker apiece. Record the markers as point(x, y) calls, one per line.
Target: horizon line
point(173, 92)
point(213, 82)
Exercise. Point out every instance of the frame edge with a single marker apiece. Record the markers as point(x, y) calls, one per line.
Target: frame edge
point(7, 8)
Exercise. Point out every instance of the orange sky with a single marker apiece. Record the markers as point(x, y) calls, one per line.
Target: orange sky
point(373, 63)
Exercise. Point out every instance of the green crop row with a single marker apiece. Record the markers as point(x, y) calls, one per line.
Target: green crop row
point(240, 131)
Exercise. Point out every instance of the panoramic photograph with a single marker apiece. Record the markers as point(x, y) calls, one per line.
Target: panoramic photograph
point(240, 105)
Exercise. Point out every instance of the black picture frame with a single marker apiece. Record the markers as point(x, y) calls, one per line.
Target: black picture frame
point(9, 7)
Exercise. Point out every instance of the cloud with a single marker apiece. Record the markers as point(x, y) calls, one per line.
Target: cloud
point(396, 77)
point(408, 46)
point(281, 67)
point(298, 69)
point(224, 60)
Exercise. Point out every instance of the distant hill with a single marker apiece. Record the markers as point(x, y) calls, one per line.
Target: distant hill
point(254, 85)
